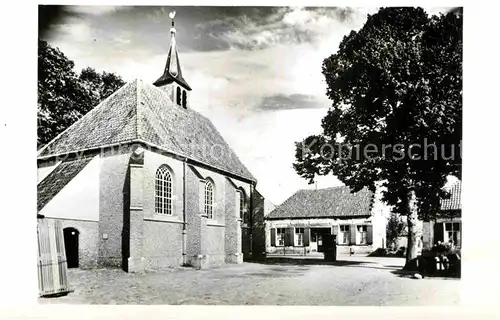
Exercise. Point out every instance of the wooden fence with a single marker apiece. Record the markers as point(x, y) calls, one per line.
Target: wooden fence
point(52, 266)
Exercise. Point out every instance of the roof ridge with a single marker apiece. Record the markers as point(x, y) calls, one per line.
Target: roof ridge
point(137, 106)
point(327, 188)
point(42, 149)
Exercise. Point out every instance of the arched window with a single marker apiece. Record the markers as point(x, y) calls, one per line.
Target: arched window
point(242, 203)
point(179, 97)
point(209, 199)
point(163, 191)
point(184, 98)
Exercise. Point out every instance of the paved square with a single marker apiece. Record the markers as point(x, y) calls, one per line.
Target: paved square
point(349, 281)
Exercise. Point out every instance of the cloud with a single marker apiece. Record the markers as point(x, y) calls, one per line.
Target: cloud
point(283, 26)
point(293, 101)
point(95, 10)
point(77, 31)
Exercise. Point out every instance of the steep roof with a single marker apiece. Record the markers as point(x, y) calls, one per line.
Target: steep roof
point(141, 112)
point(454, 202)
point(329, 202)
point(58, 179)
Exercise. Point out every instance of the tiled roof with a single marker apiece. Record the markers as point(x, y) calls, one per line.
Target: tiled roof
point(142, 112)
point(58, 179)
point(330, 202)
point(454, 202)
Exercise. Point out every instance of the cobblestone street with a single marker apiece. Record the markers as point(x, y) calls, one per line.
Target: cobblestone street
point(349, 281)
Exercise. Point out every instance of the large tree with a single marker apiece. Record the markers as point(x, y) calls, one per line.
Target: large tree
point(396, 114)
point(63, 95)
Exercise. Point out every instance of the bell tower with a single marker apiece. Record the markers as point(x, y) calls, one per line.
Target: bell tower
point(172, 80)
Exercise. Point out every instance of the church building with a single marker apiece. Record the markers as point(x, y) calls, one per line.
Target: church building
point(142, 181)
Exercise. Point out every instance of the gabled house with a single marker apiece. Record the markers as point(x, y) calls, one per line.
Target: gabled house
point(299, 224)
point(447, 227)
point(143, 181)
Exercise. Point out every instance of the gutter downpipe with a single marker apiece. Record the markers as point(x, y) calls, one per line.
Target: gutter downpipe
point(184, 239)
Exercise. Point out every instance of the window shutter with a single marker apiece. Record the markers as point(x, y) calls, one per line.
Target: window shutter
point(438, 232)
point(273, 237)
point(369, 234)
point(353, 232)
point(335, 230)
point(289, 237)
point(307, 233)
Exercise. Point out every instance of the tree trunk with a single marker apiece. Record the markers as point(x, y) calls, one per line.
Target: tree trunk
point(412, 218)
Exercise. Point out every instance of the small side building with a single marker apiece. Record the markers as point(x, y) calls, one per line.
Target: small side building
point(300, 223)
point(447, 227)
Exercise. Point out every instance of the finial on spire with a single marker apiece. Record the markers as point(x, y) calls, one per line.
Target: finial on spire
point(172, 16)
point(172, 70)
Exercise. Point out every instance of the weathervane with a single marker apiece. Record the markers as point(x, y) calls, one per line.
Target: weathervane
point(172, 16)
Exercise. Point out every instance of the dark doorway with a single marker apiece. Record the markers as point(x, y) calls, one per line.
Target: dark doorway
point(71, 236)
point(317, 238)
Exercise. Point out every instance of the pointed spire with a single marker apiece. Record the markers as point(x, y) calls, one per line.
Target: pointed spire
point(172, 70)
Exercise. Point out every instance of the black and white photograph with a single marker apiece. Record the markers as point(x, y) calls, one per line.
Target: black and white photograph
point(280, 156)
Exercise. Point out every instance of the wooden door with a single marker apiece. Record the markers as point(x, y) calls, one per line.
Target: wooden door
point(52, 266)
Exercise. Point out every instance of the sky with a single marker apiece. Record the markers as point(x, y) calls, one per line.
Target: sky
point(255, 72)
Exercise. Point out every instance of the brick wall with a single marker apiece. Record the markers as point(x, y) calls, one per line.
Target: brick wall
point(113, 178)
point(232, 238)
point(214, 242)
point(162, 244)
point(88, 240)
point(193, 216)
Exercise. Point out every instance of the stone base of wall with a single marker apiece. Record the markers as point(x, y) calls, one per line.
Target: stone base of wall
point(136, 264)
point(234, 258)
point(200, 262)
point(158, 263)
point(217, 260)
point(110, 262)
